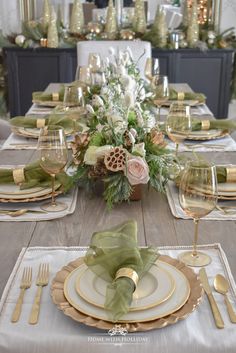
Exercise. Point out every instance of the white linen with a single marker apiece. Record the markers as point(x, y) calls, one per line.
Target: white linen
point(225, 144)
point(172, 193)
point(70, 199)
point(198, 110)
point(36, 109)
point(57, 333)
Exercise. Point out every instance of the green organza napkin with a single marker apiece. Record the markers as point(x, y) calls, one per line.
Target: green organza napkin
point(200, 97)
point(45, 96)
point(36, 176)
point(31, 122)
point(111, 250)
point(221, 124)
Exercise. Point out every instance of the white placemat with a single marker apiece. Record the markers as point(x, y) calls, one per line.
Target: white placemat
point(57, 333)
point(36, 109)
point(70, 199)
point(195, 111)
point(172, 193)
point(225, 144)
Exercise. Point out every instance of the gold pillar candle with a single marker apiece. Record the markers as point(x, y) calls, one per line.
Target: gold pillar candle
point(230, 174)
point(206, 124)
point(18, 175)
point(40, 123)
point(129, 273)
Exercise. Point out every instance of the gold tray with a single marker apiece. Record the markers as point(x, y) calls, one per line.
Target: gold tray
point(196, 292)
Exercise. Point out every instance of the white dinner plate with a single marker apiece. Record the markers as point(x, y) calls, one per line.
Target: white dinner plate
point(153, 289)
point(206, 135)
point(34, 132)
point(12, 191)
point(175, 302)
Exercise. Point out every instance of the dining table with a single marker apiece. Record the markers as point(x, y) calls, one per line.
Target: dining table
point(156, 226)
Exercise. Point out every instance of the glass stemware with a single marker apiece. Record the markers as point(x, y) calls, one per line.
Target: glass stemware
point(83, 75)
point(73, 97)
point(197, 197)
point(152, 68)
point(161, 89)
point(53, 158)
point(95, 62)
point(178, 123)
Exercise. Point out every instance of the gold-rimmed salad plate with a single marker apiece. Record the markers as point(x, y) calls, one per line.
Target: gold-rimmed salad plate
point(153, 289)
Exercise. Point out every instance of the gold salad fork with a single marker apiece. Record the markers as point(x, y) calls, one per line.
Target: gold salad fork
point(41, 281)
point(26, 281)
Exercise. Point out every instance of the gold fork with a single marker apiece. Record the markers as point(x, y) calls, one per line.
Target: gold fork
point(41, 281)
point(26, 281)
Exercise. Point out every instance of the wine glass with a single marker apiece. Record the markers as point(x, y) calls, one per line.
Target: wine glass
point(53, 158)
point(152, 68)
point(197, 197)
point(161, 89)
point(94, 62)
point(73, 97)
point(83, 75)
point(178, 123)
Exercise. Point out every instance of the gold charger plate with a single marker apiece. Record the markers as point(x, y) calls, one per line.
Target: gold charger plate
point(47, 103)
point(33, 132)
point(30, 199)
point(207, 135)
point(191, 102)
point(196, 292)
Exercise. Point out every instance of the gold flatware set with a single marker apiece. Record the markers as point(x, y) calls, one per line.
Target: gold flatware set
point(221, 285)
point(26, 281)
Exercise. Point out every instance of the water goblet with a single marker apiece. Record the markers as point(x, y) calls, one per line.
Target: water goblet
point(197, 197)
point(53, 158)
point(161, 90)
point(178, 123)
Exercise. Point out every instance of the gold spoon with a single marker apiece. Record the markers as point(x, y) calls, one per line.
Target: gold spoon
point(221, 285)
point(17, 213)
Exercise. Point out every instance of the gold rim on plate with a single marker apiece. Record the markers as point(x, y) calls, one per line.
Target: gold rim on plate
point(137, 303)
point(218, 134)
point(25, 132)
point(196, 292)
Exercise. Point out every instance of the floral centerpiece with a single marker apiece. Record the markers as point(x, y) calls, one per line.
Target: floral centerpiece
point(120, 143)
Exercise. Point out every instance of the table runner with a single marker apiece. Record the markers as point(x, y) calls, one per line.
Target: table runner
point(172, 193)
point(56, 332)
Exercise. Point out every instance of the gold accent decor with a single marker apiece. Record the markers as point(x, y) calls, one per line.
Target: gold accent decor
point(40, 123)
point(230, 174)
point(27, 10)
point(44, 42)
point(205, 124)
point(128, 272)
point(55, 96)
point(181, 96)
point(18, 175)
point(196, 292)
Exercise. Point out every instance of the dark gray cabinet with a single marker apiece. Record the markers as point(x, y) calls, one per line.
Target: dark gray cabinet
point(31, 70)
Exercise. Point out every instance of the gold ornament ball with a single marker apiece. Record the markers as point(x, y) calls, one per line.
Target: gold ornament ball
point(94, 27)
point(127, 34)
point(20, 39)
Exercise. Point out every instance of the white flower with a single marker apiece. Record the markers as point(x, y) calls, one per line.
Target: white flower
point(90, 109)
point(142, 94)
point(129, 99)
point(139, 149)
point(128, 82)
point(97, 101)
point(150, 122)
point(139, 116)
point(111, 51)
point(93, 153)
point(121, 70)
point(133, 132)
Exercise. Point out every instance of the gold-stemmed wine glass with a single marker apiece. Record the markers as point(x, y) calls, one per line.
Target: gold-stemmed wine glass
point(178, 123)
point(94, 62)
point(152, 68)
point(83, 75)
point(160, 86)
point(53, 158)
point(197, 197)
point(73, 97)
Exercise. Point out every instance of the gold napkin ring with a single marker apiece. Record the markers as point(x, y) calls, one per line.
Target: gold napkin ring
point(55, 96)
point(128, 272)
point(205, 124)
point(181, 96)
point(230, 174)
point(40, 123)
point(18, 175)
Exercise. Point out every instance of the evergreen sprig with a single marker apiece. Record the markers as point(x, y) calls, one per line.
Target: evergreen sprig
point(117, 189)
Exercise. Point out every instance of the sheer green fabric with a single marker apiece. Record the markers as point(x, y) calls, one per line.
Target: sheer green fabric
point(221, 174)
point(200, 97)
point(111, 250)
point(45, 96)
point(222, 124)
point(36, 176)
point(31, 121)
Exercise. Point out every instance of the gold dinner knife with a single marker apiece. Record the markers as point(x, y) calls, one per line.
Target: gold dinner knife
point(215, 311)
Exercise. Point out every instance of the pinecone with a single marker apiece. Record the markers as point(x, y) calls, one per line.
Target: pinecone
point(99, 170)
point(115, 159)
point(127, 141)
